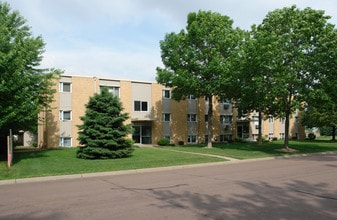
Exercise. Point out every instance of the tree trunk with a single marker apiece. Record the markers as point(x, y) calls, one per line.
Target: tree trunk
point(210, 121)
point(333, 133)
point(286, 132)
point(260, 128)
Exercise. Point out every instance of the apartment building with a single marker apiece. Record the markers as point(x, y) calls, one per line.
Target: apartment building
point(153, 114)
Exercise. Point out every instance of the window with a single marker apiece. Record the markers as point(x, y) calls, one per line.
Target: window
point(65, 115)
point(166, 117)
point(271, 119)
point(226, 119)
point(140, 106)
point(281, 136)
point(192, 139)
point(65, 87)
point(65, 141)
point(190, 97)
point(191, 117)
point(166, 94)
point(112, 89)
point(282, 120)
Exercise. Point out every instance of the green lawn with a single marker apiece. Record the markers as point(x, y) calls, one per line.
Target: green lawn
point(64, 161)
point(268, 149)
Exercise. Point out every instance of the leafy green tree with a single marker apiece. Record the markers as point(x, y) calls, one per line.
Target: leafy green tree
point(103, 132)
point(322, 102)
point(291, 39)
point(254, 79)
point(201, 60)
point(25, 89)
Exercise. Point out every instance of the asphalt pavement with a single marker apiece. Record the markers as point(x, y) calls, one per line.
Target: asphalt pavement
point(300, 187)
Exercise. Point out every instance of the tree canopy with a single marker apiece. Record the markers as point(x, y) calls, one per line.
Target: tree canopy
point(25, 89)
point(202, 59)
point(289, 42)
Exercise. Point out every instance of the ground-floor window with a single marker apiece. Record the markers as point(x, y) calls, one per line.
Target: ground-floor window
point(191, 139)
point(225, 138)
point(281, 136)
point(65, 141)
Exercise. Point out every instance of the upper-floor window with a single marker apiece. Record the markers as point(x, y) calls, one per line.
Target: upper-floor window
point(166, 94)
point(65, 115)
point(226, 119)
point(190, 96)
point(112, 89)
point(191, 117)
point(140, 106)
point(282, 120)
point(271, 119)
point(65, 87)
point(166, 117)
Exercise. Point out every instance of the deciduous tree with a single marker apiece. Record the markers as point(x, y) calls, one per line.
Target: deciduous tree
point(291, 39)
point(25, 89)
point(201, 59)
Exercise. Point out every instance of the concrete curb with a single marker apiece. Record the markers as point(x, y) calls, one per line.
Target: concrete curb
point(155, 169)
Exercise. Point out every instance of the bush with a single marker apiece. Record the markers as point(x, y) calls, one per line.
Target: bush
point(34, 144)
point(163, 142)
point(238, 140)
point(311, 136)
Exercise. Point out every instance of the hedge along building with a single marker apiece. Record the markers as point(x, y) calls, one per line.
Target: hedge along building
point(153, 114)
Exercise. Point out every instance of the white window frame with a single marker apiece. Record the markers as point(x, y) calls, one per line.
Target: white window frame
point(166, 93)
point(141, 106)
point(165, 115)
point(62, 115)
point(226, 119)
point(62, 86)
point(191, 139)
point(192, 117)
point(62, 141)
point(115, 90)
point(191, 97)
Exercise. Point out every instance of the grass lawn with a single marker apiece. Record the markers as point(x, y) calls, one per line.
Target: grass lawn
point(63, 161)
point(268, 149)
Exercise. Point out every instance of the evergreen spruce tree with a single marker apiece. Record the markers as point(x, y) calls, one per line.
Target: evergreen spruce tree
point(103, 132)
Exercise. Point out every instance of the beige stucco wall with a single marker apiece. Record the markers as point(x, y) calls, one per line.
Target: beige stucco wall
point(157, 111)
point(82, 89)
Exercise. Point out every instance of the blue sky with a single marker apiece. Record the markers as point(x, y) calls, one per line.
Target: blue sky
point(120, 38)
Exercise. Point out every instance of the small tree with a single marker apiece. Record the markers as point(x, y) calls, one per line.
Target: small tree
point(103, 132)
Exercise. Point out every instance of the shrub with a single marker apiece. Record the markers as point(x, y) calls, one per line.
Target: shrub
point(311, 136)
point(238, 140)
point(163, 142)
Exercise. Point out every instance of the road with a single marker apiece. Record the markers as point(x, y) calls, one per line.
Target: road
point(302, 187)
